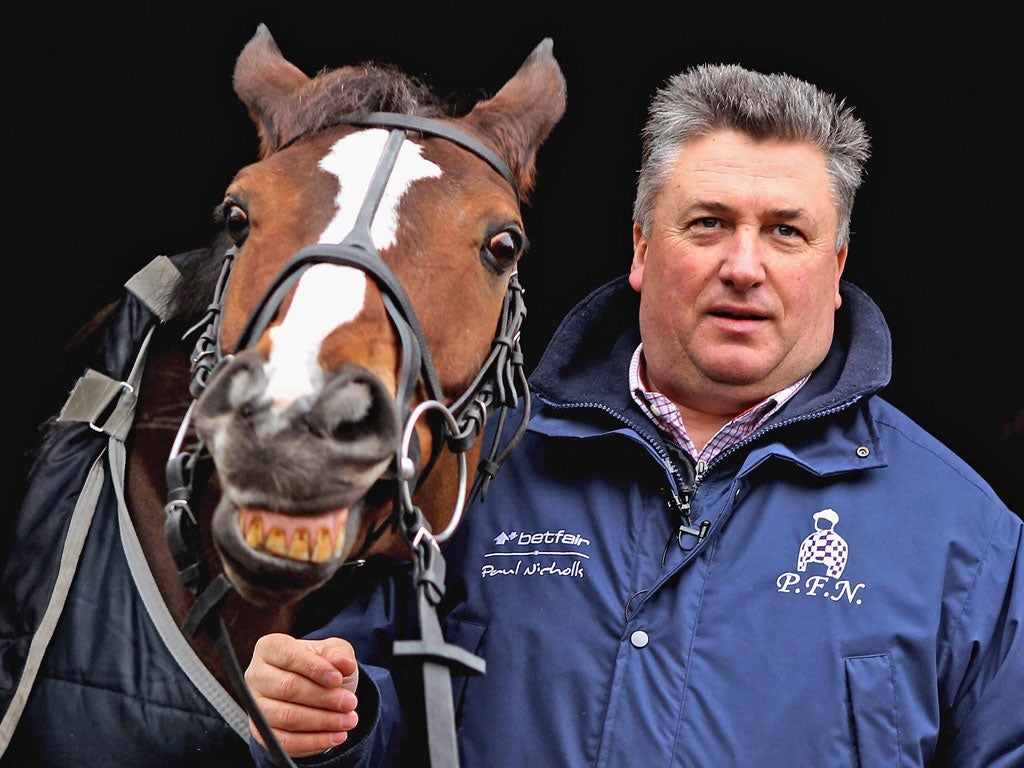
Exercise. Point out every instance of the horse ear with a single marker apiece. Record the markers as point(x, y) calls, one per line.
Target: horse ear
point(521, 116)
point(266, 82)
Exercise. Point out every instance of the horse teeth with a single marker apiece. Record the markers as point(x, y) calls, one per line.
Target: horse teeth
point(254, 536)
point(299, 548)
point(340, 544)
point(301, 545)
point(322, 549)
point(276, 542)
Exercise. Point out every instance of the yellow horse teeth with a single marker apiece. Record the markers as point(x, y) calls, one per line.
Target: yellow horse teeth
point(299, 548)
point(340, 543)
point(253, 536)
point(322, 549)
point(275, 541)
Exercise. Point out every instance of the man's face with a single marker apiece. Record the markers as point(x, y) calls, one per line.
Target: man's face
point(739, 279)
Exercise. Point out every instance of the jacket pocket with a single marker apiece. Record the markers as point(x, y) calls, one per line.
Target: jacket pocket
point(871, 697)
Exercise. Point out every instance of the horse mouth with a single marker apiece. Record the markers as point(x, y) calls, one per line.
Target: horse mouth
point(306, 539)
point(271, 557)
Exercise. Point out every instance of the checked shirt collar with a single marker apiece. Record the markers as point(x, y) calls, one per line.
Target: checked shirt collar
point(667, 417)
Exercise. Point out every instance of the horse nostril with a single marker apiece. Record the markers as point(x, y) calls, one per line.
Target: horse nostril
point(247, 410)
point(346, 411)
point(247, 392)
point(351, 425)
point(238, 388)
point(353, 407)
point(353, 403)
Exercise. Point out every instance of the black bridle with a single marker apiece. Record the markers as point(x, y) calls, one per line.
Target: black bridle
point(499, 385)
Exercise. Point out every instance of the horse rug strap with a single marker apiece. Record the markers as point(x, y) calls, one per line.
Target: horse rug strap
point(74, 541)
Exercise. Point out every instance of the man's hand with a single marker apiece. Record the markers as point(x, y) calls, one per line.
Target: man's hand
point(306, 691)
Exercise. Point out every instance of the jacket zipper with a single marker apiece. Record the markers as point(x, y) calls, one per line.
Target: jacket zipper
point(680, 493)
point(679, 500)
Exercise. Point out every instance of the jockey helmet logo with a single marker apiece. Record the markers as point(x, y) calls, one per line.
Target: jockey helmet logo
point(824, 546)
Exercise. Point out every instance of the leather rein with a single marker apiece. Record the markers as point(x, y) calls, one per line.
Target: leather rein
point(499, 385)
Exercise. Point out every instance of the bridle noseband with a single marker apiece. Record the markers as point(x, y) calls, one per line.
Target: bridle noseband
point(499, 385)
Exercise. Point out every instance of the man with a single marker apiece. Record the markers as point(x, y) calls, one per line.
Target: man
point(716, 545)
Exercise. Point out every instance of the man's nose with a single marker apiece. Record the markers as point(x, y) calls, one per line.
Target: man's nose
point(742, 260)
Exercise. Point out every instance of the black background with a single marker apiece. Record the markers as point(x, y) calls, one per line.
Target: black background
point(121, 131)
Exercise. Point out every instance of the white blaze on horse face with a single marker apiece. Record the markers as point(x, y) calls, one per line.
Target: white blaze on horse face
point(353, 160)
point(330, 295)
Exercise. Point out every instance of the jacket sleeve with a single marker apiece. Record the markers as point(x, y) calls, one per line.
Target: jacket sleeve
point(987, 717)
point(376, 743)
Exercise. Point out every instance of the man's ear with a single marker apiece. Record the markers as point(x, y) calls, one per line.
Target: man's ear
point(636, 269)
point(841, 255)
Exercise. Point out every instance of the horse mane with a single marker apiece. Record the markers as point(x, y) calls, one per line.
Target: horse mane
point(346, 94)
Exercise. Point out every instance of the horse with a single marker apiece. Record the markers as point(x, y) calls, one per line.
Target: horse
point(271, 414)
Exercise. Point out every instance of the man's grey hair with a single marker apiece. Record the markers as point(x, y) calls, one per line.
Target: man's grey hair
point(714, 97)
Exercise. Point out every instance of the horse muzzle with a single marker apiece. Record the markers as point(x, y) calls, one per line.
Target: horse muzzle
point(294, 475)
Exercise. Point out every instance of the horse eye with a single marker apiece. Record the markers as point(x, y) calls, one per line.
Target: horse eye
point(236, 220)
point(504, 248)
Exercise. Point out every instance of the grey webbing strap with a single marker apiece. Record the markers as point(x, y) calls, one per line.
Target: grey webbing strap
point(156, 607)
point(145, 583)
point(153, 284)
point(74, 542)
point(94, 395)
point(104, 403)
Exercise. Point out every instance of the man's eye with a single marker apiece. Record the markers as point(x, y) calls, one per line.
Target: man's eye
point(707, 223)
point(786, 231)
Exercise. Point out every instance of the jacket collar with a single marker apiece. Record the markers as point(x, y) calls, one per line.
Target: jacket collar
point(587, 360)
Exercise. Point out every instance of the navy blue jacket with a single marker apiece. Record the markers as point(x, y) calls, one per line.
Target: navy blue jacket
point(858, 599)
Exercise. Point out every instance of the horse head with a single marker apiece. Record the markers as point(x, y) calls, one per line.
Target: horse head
point(375, 243)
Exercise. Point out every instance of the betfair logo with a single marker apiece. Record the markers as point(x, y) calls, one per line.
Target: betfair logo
point(525, 539)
